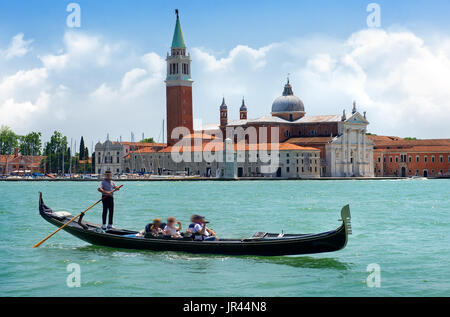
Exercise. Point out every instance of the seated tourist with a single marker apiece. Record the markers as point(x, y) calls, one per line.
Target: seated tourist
point(200, 231)
point(154, 227)
point(172, 230)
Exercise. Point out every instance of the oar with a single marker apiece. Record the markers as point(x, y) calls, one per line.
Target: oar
point(81, 213)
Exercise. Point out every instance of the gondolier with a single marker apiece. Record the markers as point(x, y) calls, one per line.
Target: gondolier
point(107, 188)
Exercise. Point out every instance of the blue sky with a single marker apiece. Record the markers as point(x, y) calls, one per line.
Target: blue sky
point(216, 24)
point(114, 63)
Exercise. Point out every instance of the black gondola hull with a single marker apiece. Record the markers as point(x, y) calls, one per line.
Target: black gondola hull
point(288, 245)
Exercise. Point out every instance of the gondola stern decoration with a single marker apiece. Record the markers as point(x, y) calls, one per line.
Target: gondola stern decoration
point(346, 218)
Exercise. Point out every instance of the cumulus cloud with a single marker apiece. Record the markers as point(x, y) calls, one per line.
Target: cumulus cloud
point(18, 47)
point(80, 49)
point(396, 76)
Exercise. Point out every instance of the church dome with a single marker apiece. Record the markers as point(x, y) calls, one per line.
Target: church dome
point(288, 102)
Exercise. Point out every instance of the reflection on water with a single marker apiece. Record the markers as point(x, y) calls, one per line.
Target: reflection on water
point(200, 262)
point(305, 262)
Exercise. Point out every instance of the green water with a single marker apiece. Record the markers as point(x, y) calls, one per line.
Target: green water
point(403, 226)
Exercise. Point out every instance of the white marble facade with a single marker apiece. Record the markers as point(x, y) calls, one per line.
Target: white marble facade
point(350, 154)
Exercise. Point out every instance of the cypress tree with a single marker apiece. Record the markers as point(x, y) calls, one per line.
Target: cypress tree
point(82, 149)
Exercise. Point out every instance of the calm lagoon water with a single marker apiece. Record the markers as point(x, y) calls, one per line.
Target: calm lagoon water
point(403, 226)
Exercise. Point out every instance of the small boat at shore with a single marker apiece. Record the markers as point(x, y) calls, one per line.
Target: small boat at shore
point(260, 244)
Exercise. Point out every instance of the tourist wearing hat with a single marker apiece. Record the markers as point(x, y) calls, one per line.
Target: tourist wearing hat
point(107, 188)
point(200, 231)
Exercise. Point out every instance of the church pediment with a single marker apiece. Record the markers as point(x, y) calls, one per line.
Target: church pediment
point(357, 118)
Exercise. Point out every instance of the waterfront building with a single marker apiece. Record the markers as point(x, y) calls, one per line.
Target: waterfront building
point(250, 160)
point(398, 157)
point(330, 145)
point(18, 164)
point(345, 150)
point(110, 156)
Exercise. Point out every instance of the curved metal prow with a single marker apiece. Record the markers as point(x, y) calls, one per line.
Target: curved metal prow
point(41, 201)
point(346, 218)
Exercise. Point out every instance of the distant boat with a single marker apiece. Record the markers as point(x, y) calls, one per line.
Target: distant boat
point(260, 244)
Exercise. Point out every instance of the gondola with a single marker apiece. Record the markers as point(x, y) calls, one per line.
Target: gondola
point(260, 244)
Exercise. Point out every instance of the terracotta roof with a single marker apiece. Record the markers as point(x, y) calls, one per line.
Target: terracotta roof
point(312, 140)
point(146, 150)
point(6, 158)
point(140, 144)
point(25, 159)
point(218, 146)
point(388, 141)
point(86, 161)
point(317, 119)
point(199, 135)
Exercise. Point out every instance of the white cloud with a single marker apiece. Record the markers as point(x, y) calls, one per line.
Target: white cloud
point(14, 112)
point(18, 47)
point(400, 81)
point(399, 78)
point(80, 50)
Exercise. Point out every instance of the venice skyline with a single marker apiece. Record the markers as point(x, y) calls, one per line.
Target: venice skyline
point(73, 77)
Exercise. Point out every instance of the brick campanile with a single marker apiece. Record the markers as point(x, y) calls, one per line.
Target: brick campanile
point(178, 86)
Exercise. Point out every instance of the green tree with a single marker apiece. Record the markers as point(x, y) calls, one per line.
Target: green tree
point(93, 162)
point(30, 144)
point(56, 151)
point(8, 140)
point(148, 140)
point(82, 149)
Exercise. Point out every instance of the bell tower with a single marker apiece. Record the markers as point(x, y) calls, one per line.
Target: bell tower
point(243, 111)
point(178, 86)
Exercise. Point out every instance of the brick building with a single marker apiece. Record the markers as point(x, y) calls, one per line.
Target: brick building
point(394, 156)
point(18, 164)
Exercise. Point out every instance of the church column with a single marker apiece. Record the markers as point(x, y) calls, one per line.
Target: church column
point(358, 152)
point(343, 156)
point(349, 171)
point(364, 151)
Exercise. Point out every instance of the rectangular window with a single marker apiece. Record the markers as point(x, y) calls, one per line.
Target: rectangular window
point(410, 159)
point(432, 159)
point(425, 159)
point(390, 159)
point(417, 159)
point(441, 159)
point(396, 159)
